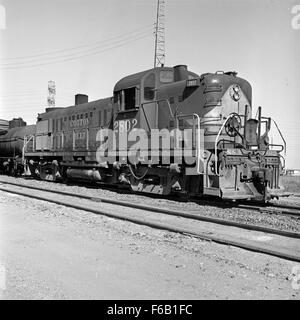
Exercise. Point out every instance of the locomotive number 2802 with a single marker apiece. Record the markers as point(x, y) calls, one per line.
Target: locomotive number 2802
point(125, 125)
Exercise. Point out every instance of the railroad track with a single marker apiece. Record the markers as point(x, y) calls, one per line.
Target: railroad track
point(267, 208)
point(283, 244)
point(270, 208)
point(273, 209)
point(184, 214)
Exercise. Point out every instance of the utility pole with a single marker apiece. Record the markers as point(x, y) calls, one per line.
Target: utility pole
point(159, 32)
point(51, 93)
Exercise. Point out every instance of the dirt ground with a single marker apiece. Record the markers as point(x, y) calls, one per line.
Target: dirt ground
point(291, 183)
point(53, 252)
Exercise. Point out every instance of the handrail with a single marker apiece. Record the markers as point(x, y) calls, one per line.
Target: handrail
point(25, 145)
point(216, 142)
point(283, 166)
point(198, 143)
point(284, 142)
point(221, 129)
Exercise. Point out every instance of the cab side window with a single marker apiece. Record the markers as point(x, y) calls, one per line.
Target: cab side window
point(130, 98)
point(126, 99)
point(149, 87)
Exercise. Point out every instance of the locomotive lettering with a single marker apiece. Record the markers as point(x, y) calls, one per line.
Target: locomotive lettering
point(79, 123)
point(125, 125)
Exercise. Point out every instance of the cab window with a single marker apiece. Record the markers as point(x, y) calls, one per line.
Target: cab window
point(166, 76)
point(149, 87)
point(130, 98)
point(126, 99)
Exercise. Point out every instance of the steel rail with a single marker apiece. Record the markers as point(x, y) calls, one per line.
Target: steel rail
point(183, 214)
point(161, 226)
point(271, 208)
point(284, 206)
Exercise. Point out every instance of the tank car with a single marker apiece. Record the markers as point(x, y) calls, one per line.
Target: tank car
point(13, 138)
point(164, 131)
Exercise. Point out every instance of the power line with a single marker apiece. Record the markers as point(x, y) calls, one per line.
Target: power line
point(84, 51)
point(81, 46)
point(29, 95)
point(34, 98)
point(25, 65)
point(28, 92)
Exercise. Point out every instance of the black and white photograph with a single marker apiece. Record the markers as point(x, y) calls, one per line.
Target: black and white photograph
point(149, 151)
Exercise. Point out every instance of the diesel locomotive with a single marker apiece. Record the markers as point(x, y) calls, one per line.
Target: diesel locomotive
point(207, 143)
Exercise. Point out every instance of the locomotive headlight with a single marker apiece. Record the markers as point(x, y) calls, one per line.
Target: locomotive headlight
point(236, 89)
point(235, 92)
point(236, 97)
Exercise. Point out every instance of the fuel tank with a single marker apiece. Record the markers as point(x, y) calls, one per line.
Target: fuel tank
point(11, 143)
point(84, 174)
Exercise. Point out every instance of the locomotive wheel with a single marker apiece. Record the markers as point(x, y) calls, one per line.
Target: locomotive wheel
point(49, 171)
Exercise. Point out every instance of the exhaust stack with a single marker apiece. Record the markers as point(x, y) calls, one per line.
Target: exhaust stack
point(81, 98)
point(180, 73)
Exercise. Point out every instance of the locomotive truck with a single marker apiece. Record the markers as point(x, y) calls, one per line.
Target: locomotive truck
point(164, 131)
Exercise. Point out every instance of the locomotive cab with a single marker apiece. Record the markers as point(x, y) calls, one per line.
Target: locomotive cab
point(232, 153)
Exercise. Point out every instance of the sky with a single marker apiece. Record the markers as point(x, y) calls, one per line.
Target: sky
point(86, 46)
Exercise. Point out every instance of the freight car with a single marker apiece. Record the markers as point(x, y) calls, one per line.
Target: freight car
point(12, 135)
point(165, 130)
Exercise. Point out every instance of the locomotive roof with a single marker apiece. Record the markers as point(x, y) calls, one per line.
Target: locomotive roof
point(131, 80)
point(84, 107)
point(136, 78)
